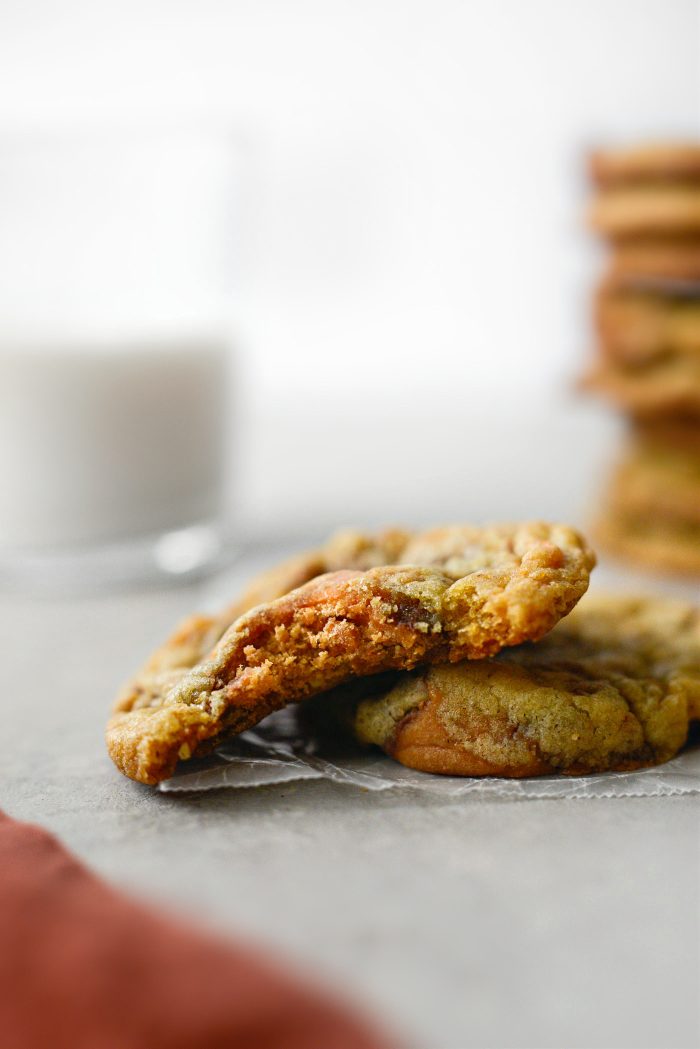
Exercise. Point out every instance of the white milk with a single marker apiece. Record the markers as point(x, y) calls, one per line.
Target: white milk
point(106, 443)
point(112, 442)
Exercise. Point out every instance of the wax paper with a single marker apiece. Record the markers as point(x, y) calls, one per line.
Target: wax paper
point(279, 750)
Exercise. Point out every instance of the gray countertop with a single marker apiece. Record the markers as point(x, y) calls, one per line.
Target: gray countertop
point(464, 923)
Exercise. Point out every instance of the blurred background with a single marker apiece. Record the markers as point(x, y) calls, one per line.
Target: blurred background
point(391, 222)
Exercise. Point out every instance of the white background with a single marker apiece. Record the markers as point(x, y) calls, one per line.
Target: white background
point(411, 293)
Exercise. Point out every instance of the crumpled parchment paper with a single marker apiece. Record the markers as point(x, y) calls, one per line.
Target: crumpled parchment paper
point(277, 751)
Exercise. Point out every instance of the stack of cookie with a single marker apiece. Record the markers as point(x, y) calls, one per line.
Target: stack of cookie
point(647, 319)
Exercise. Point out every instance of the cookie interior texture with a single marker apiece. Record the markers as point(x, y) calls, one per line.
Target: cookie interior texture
point(452, 593)
point(611, 688)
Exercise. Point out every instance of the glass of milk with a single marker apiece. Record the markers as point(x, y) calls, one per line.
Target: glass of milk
point(115, 353)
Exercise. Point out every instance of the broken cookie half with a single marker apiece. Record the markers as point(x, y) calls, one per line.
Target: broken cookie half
point(399, 601)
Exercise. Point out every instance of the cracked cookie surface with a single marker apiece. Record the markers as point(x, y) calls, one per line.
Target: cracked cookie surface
point(611, 688)
point(450, 594)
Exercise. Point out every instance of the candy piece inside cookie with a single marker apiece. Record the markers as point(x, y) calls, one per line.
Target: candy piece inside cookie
point(452, 594)
point(611, 688)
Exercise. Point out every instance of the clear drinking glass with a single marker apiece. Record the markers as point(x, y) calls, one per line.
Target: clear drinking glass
point(116, 266)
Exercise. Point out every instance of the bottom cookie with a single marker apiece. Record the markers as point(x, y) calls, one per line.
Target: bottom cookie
point(612, 688)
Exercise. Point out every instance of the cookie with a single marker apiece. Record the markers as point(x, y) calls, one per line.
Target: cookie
point(660, 544)
point(636, 326)
point(457, 593)
point(656, 481)
point(646, 211)
point(676, 435)
point(654, 162)
point(668, 387)
point(661, 262)
point(611, 688)
point(196, 636)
